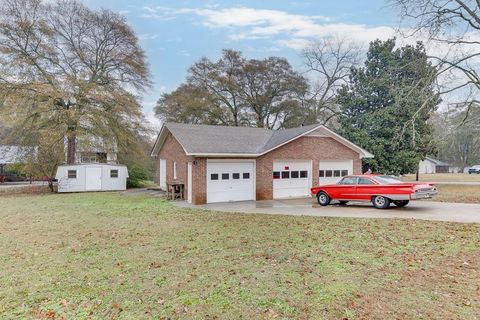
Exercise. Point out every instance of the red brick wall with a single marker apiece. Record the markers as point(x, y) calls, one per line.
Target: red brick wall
point(172, 151)
point(304, 148)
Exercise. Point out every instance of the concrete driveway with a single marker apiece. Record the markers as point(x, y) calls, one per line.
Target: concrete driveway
point(423, 210)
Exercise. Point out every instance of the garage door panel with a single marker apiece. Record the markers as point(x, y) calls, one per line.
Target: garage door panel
point(330, 172)
point(230, 181)
point(291, 179)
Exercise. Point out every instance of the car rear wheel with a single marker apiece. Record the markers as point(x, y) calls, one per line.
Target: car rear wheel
point(323, 199)
point(380, 202)
point(401, 203)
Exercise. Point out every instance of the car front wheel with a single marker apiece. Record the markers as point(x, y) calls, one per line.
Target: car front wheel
point(401, 203)
point(380, 202)
point(323, 199)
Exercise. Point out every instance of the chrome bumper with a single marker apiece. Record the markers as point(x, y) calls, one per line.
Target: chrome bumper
point(423, 195)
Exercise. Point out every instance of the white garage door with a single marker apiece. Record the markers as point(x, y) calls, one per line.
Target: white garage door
point(332, 171)
point(291, 179)
point(230, 181)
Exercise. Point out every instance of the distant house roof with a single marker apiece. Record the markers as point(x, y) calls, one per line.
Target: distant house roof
point(208, 140)
point(436, 161)
point(10, 154)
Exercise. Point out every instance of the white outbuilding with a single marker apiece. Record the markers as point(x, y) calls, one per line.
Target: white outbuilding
point(91, 177)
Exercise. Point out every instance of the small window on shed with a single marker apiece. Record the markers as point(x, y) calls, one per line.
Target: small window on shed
point(114, 173)
point(72, 174)
point(294, 174)
point(285, 174)
point(344, 173)
point(246, 175)
point(214, 176)
point(328, 173)
point(276, 174)
point(336, 173)
point(322, 173)
point(235, 176)
point(304, 174)
point(225, 176)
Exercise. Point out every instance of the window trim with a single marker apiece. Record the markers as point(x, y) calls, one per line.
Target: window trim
point(174, 170)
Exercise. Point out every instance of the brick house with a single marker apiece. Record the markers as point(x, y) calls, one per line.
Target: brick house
point(219, 164)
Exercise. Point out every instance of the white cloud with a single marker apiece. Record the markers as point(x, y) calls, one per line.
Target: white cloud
point(148, 36)
point(286, 29)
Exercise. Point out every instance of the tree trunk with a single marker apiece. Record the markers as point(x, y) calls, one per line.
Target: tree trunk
point(416, 174)
point(71, 148)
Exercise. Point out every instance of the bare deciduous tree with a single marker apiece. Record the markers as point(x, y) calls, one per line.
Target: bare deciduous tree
point(454, 23)
point(71, 70)
point(330, 60)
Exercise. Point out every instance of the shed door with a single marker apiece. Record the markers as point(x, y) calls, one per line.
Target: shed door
point(331, 172)
point(291, 179)
point(93, 178)
point(230, 181)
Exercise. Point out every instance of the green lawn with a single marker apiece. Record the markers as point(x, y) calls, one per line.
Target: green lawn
point(108, 255)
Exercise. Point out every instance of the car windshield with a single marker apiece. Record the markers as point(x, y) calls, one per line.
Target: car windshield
point(387, 179)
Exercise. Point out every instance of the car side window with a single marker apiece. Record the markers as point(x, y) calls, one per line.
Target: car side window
point(348, 181)
point(365, 181)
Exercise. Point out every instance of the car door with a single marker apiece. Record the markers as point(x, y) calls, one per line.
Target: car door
point(346, 188)
point(365, 188)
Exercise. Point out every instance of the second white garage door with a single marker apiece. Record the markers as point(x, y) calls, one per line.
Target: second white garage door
point(331, 172)
point(230, 181)
point(291, 179)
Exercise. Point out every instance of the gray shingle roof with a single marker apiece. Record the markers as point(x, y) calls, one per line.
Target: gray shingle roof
point(230, 141)
point(223, 139)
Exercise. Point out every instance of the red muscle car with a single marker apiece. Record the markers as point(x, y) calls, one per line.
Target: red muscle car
point(381, 190)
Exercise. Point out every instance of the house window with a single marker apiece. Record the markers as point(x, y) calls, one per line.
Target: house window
point(344, 173)
point(174, 170)
point(294, 174)
point(72, 174)
point(276, 174)
point(114, 173)
point(225, 176)
point(246, 175)
point(285, 174)
point(214, 176)
point(304, 174)
point(236, 176)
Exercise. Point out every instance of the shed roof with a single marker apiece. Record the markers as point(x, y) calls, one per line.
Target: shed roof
point(208, 140)
point(436, 161)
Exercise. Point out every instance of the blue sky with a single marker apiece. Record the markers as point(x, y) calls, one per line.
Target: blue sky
point(175, 34)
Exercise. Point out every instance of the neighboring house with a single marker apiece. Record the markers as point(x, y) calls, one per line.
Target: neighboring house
point(432, 165)
point(218, 163)
point(93, 149)
point(10, 155)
